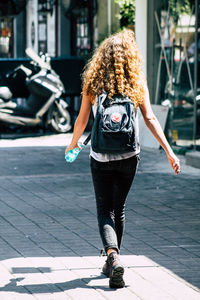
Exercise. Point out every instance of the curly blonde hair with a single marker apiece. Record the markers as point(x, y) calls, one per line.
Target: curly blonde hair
point(115, 68)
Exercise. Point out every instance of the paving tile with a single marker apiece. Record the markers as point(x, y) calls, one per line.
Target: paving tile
point(49, 240)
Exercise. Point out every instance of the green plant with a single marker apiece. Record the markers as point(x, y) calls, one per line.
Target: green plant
point(126, 12)
point(179, 7)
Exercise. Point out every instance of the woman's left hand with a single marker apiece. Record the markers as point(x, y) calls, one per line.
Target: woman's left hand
point(174, 162)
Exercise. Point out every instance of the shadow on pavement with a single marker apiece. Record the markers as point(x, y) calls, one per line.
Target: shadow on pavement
point(47, 208)
point(14, 286)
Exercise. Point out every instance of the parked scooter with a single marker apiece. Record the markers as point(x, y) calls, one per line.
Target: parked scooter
point(45, 104)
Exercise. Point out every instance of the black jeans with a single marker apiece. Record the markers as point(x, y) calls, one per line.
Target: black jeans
point(112, 181)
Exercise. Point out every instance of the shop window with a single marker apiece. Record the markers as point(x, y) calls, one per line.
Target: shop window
point(175, 76)
point(42, 27)
point(81, 15)
point(6, 37)
point(83, 38)
point(42, 33)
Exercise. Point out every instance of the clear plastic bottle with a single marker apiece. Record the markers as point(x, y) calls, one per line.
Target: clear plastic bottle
point(71, 155)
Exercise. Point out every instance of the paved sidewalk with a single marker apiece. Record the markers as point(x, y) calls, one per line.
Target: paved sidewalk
point(49, 241)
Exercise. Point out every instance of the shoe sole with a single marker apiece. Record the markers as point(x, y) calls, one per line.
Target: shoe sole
point(116, 279)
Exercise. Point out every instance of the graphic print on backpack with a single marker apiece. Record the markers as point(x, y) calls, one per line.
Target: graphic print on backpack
point(116, 117)
point(114, 125)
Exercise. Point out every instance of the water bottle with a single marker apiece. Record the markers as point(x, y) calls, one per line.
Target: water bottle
point(71, 155)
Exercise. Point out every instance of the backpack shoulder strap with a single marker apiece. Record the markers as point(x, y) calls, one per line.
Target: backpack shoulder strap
point(102, 98)
point(100, 101)
point(87, 139)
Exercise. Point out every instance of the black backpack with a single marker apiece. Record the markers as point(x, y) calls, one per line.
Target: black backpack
point(114, 125)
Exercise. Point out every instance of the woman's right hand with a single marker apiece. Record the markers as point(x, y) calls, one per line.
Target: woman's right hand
point(71, 147)
point(174, 162)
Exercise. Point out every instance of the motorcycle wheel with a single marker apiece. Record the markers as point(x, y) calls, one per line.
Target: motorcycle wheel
point(60, 123)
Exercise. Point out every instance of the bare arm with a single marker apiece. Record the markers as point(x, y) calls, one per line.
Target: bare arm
point(155, 128)
point(81, 122)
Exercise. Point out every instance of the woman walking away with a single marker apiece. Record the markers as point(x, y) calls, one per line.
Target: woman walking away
point(115, 69)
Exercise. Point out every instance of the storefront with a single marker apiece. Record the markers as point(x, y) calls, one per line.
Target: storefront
point(58, 27)
point(170, 48)
point(167, 33)
point(64, 29)
point(9, 10)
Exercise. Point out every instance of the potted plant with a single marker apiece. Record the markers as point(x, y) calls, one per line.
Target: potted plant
point(126, 13)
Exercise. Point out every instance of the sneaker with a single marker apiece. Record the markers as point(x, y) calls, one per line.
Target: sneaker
point(114, 269)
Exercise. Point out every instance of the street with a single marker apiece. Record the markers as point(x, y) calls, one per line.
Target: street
point(49, 240)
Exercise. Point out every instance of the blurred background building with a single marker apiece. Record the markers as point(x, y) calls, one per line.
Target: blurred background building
point(59, 27)
point(167, 33)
